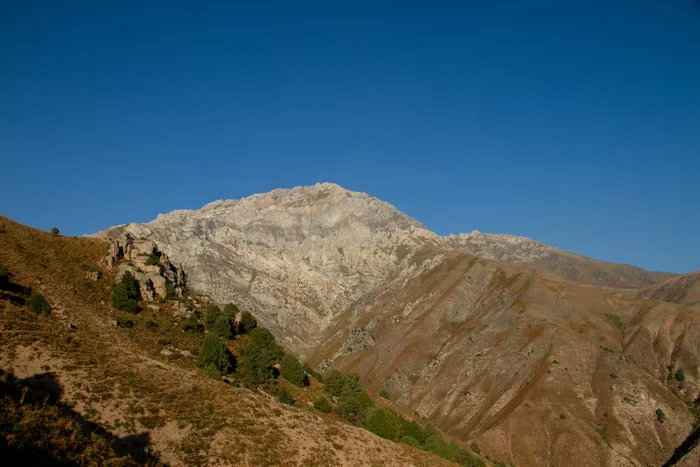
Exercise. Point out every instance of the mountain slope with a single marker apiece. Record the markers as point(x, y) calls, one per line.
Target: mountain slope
point(684, 290)
point(139, 386)
point(537, 372)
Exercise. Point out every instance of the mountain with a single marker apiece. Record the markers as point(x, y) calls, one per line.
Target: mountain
point(300, 257)
point(538, 355)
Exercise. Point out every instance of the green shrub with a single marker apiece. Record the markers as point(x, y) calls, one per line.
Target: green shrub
point(349, 408)
point(211, 314)
point(680, 375)
point(383, 423)
point(211, 371)
point(191, 324)
point(322, 405)
point(150, 324)
point(153, 258)
point(213, 353)
point(293, 372)
point(248, 322)
point(224, 326)
point(170, 292)
point(384, 394)
point(661, 416)
point(413, 430)
point(333, 382)
point(124, 323)
point(562, 416)
point(475, 448)
point(613, 375)
point(411, 441)
point(38, 304)
point(285, 397)
point(126, 293)
point(231, 309)
point(55, 231)
point(315, 374)
point(615, 320)
point(164, 341)
point(259, 356)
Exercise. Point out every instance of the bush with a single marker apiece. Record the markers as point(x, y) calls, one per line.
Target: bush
point(259, 356)
point(322, 405)
point(661, 416)
point(224, 327)
point(680, 375)
point(413, 430)
point(333, 382)
point(293, 372)
point(349, 408)
point(475, 448)
point(38, 304)
point(562, 416)
point(384, 394)
point(126, 293)
point(124, 323)
point(211, 371)
point(55, 231)
point(411, 441)
point(285, 397)
point(315, 374)
point(211, 314)
point(150, 324)
point(248, 322)
point(153, 258)
point(231, 309)
point(383, 423)
point(191, 324)
point(170, 292)
point(214, 354)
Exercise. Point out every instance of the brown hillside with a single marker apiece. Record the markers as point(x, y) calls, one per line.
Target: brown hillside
point(537, 372)
point(138, 391)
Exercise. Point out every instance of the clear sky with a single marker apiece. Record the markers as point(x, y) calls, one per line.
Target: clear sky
point(573, 123)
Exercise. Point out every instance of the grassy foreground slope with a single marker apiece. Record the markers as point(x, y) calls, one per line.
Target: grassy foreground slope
point(134, 394)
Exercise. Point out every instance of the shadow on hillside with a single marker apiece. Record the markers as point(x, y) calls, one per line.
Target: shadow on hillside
point(46, 388)
point(15, 293)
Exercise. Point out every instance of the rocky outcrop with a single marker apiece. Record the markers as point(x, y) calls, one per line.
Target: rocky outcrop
point(156, 275)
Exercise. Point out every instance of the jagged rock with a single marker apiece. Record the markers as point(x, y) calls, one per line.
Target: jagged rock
point(151, 268)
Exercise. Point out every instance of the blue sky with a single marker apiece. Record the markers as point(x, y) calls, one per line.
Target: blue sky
point(573, 123)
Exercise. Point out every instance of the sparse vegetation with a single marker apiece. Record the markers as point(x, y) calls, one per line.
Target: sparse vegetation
point(680, 375)
point(38, 304)
point(615, 320)
point(384, 394)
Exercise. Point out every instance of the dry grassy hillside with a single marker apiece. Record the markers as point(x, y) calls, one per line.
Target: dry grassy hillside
point(684, 290)
point(139, 388)
point(536, 372)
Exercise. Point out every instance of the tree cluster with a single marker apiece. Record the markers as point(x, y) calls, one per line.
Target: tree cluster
point(126, 294)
